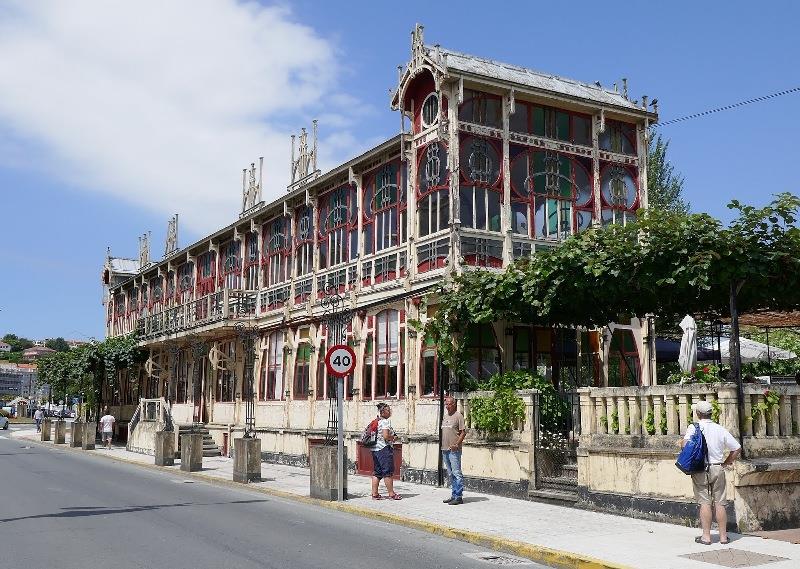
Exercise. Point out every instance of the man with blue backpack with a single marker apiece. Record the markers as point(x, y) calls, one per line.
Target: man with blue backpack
point(702, 456)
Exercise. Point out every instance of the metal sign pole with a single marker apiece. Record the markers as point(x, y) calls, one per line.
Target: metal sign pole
point(340, 438)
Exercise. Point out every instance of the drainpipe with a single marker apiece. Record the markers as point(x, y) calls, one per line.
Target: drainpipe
point(440, 472)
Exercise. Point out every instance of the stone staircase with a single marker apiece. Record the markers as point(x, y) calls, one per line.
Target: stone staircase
point(560, 488)
point(210, 448)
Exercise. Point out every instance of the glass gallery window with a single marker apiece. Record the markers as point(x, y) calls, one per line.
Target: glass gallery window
point(433, 192)
point(185, 282)
point(623, 360)
point(618, 137)
point(431, 373)
point(225, 373)
point(182, 369)
point(481, 188)
point(169, 292)
point(551, 123)
point(302, 371)
point(271, 380)
point(338, 227)
point(551, 194)
point(481, 108)
point(156, 294)
point(251, 261)
point(277, 250)
point(619, 194)
point(383, 356)
point(304, 241)
point(483, 355)
point(205, 273)
point(384, 215)
point(231, 269)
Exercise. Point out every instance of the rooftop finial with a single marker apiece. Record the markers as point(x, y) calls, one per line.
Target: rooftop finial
point(251, 188)
point(171, 244)
point(625, 87)
point(417, 42)
point(144, 250)
point(305, 164)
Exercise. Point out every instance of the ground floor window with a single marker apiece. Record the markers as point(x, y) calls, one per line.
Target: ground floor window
point(270, 384)
point(302, 370)
point(225, 373)
point(483, 354)
point(432, 371)
point(623, 360)
point(182, 371)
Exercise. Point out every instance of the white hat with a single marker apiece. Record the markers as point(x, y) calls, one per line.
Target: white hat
point(702, 407)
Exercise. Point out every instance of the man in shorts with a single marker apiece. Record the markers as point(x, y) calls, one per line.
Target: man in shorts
point(107, 428)
point(383, 454)
point(709, 486)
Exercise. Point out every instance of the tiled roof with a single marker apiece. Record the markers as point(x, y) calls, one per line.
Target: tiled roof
point(123, 266)
point(528, 77)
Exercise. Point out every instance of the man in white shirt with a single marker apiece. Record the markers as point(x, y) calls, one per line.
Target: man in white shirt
point(107, 428)
point(37, 416)
point(709, 486)
point(383, 454)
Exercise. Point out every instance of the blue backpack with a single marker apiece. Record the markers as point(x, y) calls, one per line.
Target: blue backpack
point(694, 455)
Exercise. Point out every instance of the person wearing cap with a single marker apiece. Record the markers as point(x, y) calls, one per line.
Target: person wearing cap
point(709, 486)
point(383, 454)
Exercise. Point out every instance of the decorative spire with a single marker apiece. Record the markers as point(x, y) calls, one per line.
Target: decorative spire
point(305, 165)
point(417, 42)
point(144, 250)
point(251, 189)
point(171, 244)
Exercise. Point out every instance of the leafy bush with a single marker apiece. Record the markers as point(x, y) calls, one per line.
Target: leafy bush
point(498, 413)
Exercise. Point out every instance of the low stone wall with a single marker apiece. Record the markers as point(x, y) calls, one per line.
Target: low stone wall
point(631, 438)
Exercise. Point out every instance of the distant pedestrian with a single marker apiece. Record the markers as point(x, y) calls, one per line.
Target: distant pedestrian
point(37, 416)
point(107, 428)
point(709, 486)
point(383, 454)
point(453, 432)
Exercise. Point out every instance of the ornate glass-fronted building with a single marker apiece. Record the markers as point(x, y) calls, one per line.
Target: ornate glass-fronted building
point(493, 163)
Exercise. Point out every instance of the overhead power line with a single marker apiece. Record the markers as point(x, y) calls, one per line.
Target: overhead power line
point(728, 107)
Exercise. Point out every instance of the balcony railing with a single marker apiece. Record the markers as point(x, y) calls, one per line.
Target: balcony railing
point(215, 307)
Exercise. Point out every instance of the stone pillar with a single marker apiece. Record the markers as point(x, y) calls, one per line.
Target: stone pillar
point(192, 452)
point(76, 434)
point(60, 432)
point(89, 435)
point(246, 460)
point(165, 448)
point(45, 432)
point(729, 412)
point(322, 462)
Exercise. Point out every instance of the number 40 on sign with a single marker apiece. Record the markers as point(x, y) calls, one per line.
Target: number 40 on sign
point(340, 360)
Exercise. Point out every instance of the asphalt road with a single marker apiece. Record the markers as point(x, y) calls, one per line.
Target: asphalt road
point(65, 510)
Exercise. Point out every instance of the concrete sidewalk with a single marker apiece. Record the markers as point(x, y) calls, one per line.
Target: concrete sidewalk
point(552, 534)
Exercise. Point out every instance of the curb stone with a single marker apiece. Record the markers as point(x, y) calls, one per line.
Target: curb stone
point(537, 553)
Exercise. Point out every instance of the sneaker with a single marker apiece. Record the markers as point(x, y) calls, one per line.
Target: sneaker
point(448, 500)
point(456, 501)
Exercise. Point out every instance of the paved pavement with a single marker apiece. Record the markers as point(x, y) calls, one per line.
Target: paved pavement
point(614, 539)
point(77, 510)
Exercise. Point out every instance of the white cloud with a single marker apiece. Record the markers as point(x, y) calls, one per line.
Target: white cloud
point(163, 103)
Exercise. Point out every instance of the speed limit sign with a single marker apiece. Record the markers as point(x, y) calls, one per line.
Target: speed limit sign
point(340, 360)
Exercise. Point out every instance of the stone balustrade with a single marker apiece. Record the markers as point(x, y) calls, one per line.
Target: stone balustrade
point(522, 429)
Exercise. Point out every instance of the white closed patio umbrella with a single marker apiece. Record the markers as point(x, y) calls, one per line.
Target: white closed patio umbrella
point(753, 351)
point(687, 357)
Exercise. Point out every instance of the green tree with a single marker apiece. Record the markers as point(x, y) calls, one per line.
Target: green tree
point(664, 184)
point(58, 344)
point(17, 343)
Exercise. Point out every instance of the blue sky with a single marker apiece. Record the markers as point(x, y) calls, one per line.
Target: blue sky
point(115, 115)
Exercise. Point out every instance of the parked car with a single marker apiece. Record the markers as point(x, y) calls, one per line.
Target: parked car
point(3, 422)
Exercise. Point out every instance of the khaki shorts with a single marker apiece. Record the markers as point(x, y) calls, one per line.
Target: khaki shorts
point(710, 487)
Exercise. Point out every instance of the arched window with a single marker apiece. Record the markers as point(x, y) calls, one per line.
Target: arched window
point(618, 137)
point(185, 282)
point(271, 381)
point(551, 123)
point(230, 274)
point(302, 371)
point(433, 191)
point(169, 294)
point(620, 194)
point(388, 355)
point(430, 110)
point(205, 274)
point(482, 352)
point(551, 194)
point(481, 108)
point(277, 251)
point(304, 241)
point(156, 294)
point(384, 212)
point(481, 191)
point(251, 261)
point(338, 227)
